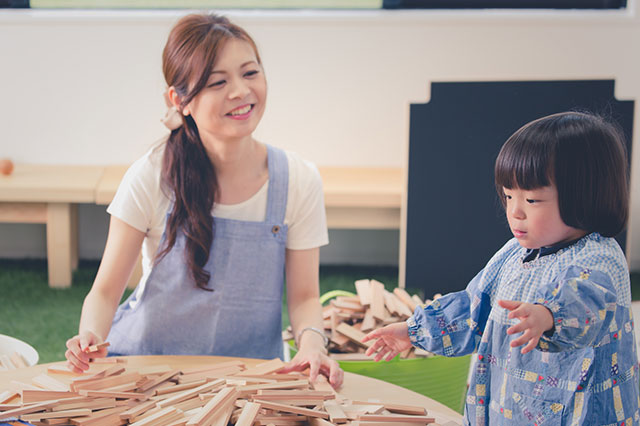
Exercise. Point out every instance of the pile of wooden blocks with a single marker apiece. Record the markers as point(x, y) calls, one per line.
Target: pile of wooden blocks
point(218, 394)
point(12, 362)
point(348, 319)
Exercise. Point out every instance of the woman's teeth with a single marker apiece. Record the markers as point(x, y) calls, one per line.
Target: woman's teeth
point(241, 111)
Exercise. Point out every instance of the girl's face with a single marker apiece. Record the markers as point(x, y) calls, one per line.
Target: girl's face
point(534, 217)
point(231, 104)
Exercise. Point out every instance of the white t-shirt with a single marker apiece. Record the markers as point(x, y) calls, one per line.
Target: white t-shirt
point(141, 203)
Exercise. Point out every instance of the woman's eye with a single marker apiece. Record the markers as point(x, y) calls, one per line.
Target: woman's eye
point(217, 83)
point(250, 73)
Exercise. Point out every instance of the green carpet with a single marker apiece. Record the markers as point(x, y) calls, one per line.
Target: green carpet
point(46, 317)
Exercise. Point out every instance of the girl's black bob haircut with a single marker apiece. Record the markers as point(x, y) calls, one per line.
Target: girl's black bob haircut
point(584, 156)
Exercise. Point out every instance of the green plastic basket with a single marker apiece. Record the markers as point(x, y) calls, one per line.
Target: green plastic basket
point(440, 378)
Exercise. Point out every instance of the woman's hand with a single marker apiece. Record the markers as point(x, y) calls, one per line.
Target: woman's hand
point(392, 339)
point(318, 363)
point(77, 358)
point(534, 320)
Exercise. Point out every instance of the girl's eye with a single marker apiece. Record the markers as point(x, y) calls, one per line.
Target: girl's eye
point(530, 201)
point(217, 83)
point(508, 197)
point(250, 73)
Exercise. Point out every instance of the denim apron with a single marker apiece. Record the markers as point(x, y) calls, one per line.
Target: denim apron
point(242, 316)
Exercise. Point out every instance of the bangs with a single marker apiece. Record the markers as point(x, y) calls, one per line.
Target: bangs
point(525, 161)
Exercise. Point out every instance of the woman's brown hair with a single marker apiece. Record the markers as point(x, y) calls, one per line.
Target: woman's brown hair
point(188, 176)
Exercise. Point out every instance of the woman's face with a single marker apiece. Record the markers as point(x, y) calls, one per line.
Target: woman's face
point(231, 104)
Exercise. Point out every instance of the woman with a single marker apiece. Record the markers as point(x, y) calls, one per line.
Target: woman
point(220, 218)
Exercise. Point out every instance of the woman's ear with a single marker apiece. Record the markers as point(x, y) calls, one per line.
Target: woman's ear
point(172, 98)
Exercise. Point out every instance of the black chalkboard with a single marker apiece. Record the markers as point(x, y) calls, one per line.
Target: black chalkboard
point(455, 222)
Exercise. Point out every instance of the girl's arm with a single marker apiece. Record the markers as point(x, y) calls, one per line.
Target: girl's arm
point(583, 304)
point(305, 311)
point(120, 254)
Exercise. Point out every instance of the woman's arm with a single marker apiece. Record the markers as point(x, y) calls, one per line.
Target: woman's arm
point(305, 311)
point(119, 258)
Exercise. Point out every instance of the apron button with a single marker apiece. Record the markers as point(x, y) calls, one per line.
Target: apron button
point(275, 229)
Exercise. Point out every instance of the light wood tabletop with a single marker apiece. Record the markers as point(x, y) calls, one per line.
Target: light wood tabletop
point(356, 387)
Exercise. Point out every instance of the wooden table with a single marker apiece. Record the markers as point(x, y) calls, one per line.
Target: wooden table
point(355, 197)
point(355, 387)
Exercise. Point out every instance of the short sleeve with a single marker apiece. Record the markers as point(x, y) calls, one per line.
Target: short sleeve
point(305, 215)
point(139, 200)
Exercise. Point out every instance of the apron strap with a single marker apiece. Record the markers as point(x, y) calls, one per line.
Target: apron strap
point(278, 185)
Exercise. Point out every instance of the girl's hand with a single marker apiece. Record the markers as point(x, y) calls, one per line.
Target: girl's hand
point(318, 363)
point(77, 358)
point(534, 320)
point(392, 339)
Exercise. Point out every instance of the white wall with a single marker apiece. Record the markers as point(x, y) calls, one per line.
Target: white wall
point(86, 87)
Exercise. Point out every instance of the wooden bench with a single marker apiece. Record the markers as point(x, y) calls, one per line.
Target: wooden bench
point(49, 194)
point(355, 198)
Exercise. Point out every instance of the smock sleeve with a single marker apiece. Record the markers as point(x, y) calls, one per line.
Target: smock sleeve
point(452, 324)
point(583, 304)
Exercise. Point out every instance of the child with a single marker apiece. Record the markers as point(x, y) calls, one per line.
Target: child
point(550, 314)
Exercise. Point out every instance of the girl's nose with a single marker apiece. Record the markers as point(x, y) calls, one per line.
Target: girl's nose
point(517, 211)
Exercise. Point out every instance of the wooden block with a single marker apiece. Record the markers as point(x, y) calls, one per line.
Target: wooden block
point(402, 294)
point(188, 394)
point(353, 334)
point(109, 394)
point(400, 308)
point(30, 396)
point(368, 322)
point(347, 306)
point(107, 382)
point(292, 409)
point(377, 300)
point(336, 414)
point(223, 418)
point(154, 382)
point(214, 407)
point(137, 410)
point(179, 388)
point(90, 403)
point(56, 414)
point(363, 288)
point(108, 360)
point(49, 383)
point(158, 418)
point(27, 409)
point(96, 348)
point(267, 367)
point(7, 396)
point(248, 415)
point(280, 385)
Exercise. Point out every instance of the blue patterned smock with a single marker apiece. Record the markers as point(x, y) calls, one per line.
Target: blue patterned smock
point(584, 373)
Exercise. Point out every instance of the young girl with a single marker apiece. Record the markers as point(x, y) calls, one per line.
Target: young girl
point(220, 218)
point(550, 314)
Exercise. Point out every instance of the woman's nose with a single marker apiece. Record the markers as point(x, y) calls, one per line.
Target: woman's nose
point(239, 89)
